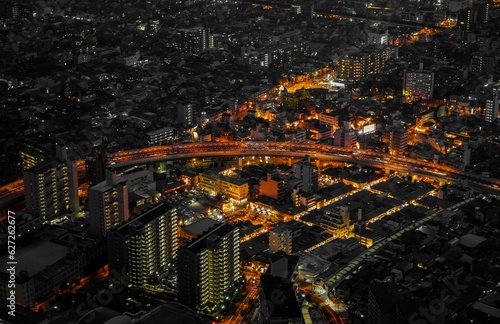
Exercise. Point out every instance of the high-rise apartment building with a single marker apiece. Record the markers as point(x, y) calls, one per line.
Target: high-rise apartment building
point(280, 239)
point(307, 173)
point(51, 186)
point(492, 105)
point(193, 40)
point(354, 66)
point(108, 204)
point(185, 114)
point(466, 19)
point(418, 85)
point(31, 156)
point(216, 41)
point(381, 303)
point(47, 189)
point(481, 11)
point(146, 245)
point(482, 63)
point(280, 279)
point(208, 268)
point(360, 65)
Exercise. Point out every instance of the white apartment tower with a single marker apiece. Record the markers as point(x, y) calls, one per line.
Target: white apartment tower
point(492, 105)
point(108, 204)
point(47, 189)
point(418, 84)
point(146, 245)
point(209, 267)
point(185, 114)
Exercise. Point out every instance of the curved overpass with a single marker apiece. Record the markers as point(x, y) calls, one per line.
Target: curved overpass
point(154, 154)
point(286, 149)
point(323, 152)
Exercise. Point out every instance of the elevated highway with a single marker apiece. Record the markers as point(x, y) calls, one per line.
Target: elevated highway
point(344, 14)
point(285, 149)
point(155, 154)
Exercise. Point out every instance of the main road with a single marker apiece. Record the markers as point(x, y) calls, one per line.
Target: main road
point(155, 154)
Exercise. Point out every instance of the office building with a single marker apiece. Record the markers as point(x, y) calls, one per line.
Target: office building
point(291, 100)
point(346, 137)
point(329, 119)
point(378, 38)
point(307, 173)
point(398, 141)
point(273, 186)
point(146, 245)
point(108, 204)
point(161, 136)
point(337, 221)
point(418, 85)
point(280, 239)
point(463, 154)
point(209, 268)
point(47, 189)
point(234, 188)
point(303, 198)
point(95, 167)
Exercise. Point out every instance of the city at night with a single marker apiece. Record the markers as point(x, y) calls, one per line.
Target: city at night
point(249, 161)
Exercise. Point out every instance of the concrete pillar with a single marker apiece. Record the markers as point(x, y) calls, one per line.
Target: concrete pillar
point(240, 162)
